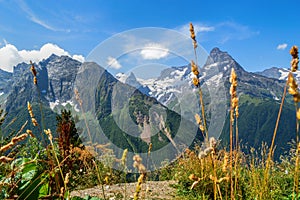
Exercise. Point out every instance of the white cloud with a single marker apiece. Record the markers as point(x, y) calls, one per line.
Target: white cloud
point(10, 56)
point(32, 17)
point(221, 32)
point(113, 63)
point(230, 30)
point(154, 51)
point(282, 46)
point(80, 58)
point(42, 23)
point(185, 29)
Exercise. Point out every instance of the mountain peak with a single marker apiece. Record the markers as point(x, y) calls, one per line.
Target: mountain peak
point(52, 56)
point(215, 50)
point(218, 56)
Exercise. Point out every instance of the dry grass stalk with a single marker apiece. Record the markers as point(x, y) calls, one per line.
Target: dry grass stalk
point(293, 88)
point(294, 92)
point(195, 80)
point(29, 132)
point(124, 157)
point(79, 100)
point(233, 113)
point(13, 141)
point(225, 162)
point(34, 73)
point(193, 35)
point(199, 122)
point(149, 148)
point(196, 180)
point(142, 170)
point(4, 159)
point(139, 186)
point(33, 120)
point(296, 176)
point(295, 58)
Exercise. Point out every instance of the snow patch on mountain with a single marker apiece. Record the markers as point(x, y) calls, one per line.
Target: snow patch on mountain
point(53, 104)
point(64, 104)
point(284, 74)
point(179, 74)
point(214, 80)
point(121, 77)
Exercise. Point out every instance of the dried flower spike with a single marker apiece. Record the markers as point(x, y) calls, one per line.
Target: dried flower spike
point(77, 96)
point(29, 132)
point(35, 80)
point(32, 69)
point(49, 134)
point(295, 58)
point(194, 68)
point(193, 36)
point(139, 186)
point(5, 159)
point(138, 164)
point(293, 88)
point(199, 122)
point(196, 82)
point(225, 163)
point(124, 156)
point(29, 107)
point(234, 98)
point(294, 51)
point(150, 148)
point(13, 141)
point(298, 114)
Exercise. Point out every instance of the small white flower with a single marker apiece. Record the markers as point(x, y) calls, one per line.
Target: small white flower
point(212, 142)
point(201, 155)
point(208, 150)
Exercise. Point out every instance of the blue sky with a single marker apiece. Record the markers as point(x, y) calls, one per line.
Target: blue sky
point(258, 34)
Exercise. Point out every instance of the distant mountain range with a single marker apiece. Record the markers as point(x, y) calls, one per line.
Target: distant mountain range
point(260, 94)
point(173, 81)
point(135, 111)
point(279, 73)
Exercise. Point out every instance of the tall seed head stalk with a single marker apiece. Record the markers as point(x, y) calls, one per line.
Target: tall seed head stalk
point(196, 82)
point(293, 90)
point(295, 58)
point(199, 122)
point(34, 73)
point(233, 113)
point(193, 36)
point(142, 170)
point(13, 141)
point(124, 157)
point(234, 98)
point(33, 120)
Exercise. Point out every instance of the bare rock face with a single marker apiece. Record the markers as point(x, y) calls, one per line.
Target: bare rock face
point(61, 77)
point(23, 89)
point(56, 76)
point(5, 81)
point(5, 86)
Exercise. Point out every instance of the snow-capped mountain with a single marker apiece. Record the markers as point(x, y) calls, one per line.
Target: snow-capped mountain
point(279, 73)
point(174, 89)
point(58, 76)
point(175, 82)
point(55, 75)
